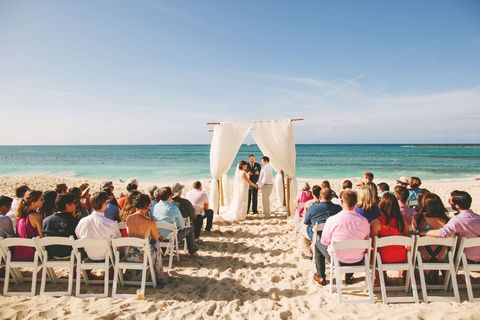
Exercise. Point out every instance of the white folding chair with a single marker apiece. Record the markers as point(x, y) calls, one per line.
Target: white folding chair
point(337, 270)
point(466, 266)
point(187, 224)
point(49, 263)
point(146, 265)
point(408, 266)
point(12, 266)
point(3, 262)
point(83, 265)
point(448, 266)
point(316, 228)
point(171, 243)
point(122, 225)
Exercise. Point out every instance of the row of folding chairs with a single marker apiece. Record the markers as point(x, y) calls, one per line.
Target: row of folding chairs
point(456, 261)
point(77, 264)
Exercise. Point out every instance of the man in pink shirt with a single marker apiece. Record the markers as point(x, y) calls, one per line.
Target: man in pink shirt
point(465, 223)
point(402, 193)
point(345, 225)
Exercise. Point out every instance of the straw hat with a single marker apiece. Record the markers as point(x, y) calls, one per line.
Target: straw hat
point(84, 188)
point(403, 180)
point(177, 188)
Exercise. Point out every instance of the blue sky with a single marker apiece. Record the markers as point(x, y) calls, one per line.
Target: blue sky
point(100, 72)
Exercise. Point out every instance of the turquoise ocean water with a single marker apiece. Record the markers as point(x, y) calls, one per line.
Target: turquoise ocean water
point(185, 162)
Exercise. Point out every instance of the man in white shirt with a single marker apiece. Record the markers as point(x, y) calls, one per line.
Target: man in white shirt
point(199, 200)
point(96, 226)
point(265, 183)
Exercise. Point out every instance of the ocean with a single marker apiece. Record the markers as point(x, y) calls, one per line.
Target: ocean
point(187, 162)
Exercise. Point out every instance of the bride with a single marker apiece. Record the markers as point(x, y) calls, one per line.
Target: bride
point(239, 205)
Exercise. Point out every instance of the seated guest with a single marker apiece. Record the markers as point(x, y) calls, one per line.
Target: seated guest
point(48, 206)
point(317, 213)
point(19, 194)
point(155, 199)
point(372, 186)
point(129, 205)
point(85, 196)
point(303, 197)
point(414, 185)
point(403, 182)
point(390, 223)
point(326, 184)
point(112, 212)
point(96, 226)
point(139, 225)
point(367, 177)
point(131, 186)
point(422, 193)
point(345, 225)
point(108, 186)
point(60, 188)
point(433, 216)
point(401, 193)
point(383, 188)
point(346, 185)
point(167, 212)
point(29, 223)
point(185, 206)
point(80, 211)
point(199, 200)
point(367, 206)
point(316, 198)
point(465, 223)
point(6, 226)
point(151, 192)
point(61, 224)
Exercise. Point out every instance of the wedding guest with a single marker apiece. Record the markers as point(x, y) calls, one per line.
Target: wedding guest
point(367, 206)
point(265, 184)
point(383, 188)
point(139, 225)
point(199, 200)
point(132, 185)
point(166, 211)
point(422, 193)
point(390, 223)
point(433, 215)
point(61, 224)
point(303, 197)
point(19, 194)
point(48, 206)
point(108, 186)
point(326, 184)
point(403, 182)
point(80, 211)
point(112, 212)
point(96, 226)
point(253, 171)
point(367, 177)
point(6, 226)
point(401, 193)
point(465, 223)
point(317, 213)
point(156, 199)
point(372, 186)
point(29, 223)
point(61, 188)
point(346, 185)
point(85, 196)
point(316, 198)
point(129, 205)
point(185, 206)
point(345, 225)
point(414, 185)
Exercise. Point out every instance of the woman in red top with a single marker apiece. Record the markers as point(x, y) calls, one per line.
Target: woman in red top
point(390, 223)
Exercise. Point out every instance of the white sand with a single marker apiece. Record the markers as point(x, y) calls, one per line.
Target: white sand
point(251, 270)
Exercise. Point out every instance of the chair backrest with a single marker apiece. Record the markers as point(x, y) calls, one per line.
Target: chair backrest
point(394, 241)
point(56, 241)
point(167, 226)
point(91, 243)
point(472, 242)
point(13, 242)
point(122, 225)
point(351, 244)
point(318, 227)
point(129, 242)
point(428, 241)
point(300, 205)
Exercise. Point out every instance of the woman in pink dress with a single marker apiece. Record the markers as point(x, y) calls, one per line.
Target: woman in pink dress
point(303, 197)
point(29, 223)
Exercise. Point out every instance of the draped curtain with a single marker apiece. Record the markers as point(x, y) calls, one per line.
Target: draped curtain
point(227, 139)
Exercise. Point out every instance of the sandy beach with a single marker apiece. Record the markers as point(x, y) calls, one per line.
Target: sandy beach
point(250, 270)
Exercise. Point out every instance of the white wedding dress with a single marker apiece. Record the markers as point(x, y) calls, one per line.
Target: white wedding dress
point(239, 204)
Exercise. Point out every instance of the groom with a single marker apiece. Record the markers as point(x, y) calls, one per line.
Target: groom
point(265, 183)
point(253, 171)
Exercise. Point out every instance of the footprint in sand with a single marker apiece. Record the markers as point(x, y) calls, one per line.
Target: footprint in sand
point(276, 278)
point(211, 309)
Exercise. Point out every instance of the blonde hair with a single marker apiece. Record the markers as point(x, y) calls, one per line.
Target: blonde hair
point(129, 205)
point(366, 198)
point(30, 197)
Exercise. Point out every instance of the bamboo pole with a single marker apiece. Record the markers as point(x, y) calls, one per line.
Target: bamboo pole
point(218, 202)
point(289, 211)
point(220, 189)
point(283, 183)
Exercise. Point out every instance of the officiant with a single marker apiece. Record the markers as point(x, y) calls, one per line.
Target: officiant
point(253, 171)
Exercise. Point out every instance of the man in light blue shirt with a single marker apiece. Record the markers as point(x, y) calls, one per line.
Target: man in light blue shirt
point(167, 212)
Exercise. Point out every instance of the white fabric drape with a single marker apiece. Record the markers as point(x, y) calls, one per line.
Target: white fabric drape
point(227, 139)
point(279, 191)
point(275, 140)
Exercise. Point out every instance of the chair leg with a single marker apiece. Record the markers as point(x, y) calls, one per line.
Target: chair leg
point(44, 280)
point(78, 281)
point(106, 280)
point(34, 274)
point(152, 271)
point(453, 275)
point(382, 281)
point(411, 277)
point(338, 280)
point(115, 277)
point(422, 278)
point(468, 281)
point(331, 276)
point(7, 279)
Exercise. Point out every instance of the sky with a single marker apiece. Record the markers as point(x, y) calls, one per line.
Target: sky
point(155, 72)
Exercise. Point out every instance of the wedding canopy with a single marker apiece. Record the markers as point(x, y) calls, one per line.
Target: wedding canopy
point(275, 140)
